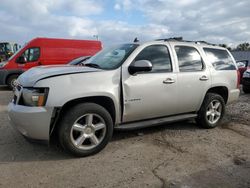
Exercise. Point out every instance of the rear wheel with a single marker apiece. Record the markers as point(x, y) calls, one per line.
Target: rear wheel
point(11, 81)
point(85, 129)
point(246, 89)
point(212, 111)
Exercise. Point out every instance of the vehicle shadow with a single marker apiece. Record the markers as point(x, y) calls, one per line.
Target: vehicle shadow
point(23, 150)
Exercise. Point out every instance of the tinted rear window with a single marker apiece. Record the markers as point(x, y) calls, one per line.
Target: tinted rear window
point(220, 59)
point(189, 59)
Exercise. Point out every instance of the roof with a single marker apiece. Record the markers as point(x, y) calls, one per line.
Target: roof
point(180, 41)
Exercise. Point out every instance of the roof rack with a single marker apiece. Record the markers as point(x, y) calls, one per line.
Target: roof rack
point(180, 39)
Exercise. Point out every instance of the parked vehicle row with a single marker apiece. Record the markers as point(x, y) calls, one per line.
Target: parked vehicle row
point(242, 65)
point(7, 49)
point(45, 51)
point(246, 81)
point(244, 69)
point(127, 86)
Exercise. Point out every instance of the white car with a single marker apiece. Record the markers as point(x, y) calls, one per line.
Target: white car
point(127, 86)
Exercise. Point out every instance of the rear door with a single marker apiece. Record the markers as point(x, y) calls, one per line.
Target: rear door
point(193, 78)
point(224, 69)
point(150, 94)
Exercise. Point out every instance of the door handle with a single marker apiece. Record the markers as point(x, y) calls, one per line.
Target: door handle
point(204, 78)
point(169, 81)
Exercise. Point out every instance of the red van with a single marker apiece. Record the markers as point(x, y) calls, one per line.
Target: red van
point(45, 51)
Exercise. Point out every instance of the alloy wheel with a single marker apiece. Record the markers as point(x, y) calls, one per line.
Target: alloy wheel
point(213, 112)
point(88, 131)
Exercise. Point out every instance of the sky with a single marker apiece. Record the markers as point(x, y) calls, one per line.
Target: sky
point(120, 21)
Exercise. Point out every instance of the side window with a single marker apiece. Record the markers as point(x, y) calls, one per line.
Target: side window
point(158, 55)
point(220, 59)
point(32, 54)
point(189, 59)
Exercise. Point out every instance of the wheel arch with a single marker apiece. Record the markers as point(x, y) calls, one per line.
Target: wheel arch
point(11, 73)
point(220, 90)
point(104, 101)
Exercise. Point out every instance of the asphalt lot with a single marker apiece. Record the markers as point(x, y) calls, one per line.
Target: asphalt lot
point(174, 155)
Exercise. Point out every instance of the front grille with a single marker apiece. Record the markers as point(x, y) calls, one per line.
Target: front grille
point(17, 93)
point(18, 87)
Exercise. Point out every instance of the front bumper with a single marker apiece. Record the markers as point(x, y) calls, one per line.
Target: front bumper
point(32, 122)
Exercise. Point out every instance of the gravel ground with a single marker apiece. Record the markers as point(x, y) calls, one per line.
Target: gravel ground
point(174, 155)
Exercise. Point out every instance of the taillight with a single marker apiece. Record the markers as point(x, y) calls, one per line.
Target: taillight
point(238, 79)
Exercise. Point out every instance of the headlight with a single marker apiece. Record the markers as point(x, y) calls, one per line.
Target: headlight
point(246, 74)
point(34, 96)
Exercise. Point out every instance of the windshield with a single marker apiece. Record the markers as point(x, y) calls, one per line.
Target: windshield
point(113, 57)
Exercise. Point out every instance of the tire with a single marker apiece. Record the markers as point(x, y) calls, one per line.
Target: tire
point(11, 80)
point(246, 89)
point(211, 112)
point(92, 130)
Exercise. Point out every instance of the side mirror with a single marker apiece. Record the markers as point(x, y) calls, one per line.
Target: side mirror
point(140, 66)
point(21, 60)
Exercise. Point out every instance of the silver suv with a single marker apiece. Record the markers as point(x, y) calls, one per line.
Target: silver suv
point(125, 87)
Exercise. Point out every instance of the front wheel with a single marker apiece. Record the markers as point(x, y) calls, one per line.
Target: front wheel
point(85, 129)
point(211, 111)
point(11, 81)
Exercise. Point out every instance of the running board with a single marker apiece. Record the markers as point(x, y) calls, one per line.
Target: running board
point(154, 122)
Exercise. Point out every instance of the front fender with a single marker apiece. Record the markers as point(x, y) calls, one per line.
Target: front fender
point(63, 89)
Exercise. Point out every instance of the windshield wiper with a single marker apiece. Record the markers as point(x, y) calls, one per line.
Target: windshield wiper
point(92, 65)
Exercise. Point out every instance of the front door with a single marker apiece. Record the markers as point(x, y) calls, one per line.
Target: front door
point(150, 94)
point(32, 56)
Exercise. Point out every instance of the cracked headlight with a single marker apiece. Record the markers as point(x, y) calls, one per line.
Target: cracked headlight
point(34, 96)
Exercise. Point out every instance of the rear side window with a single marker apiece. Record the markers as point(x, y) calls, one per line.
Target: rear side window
point(158, 55)
point(189, 59)
point(220, 59)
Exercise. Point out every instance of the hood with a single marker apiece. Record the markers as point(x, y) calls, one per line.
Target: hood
point(30, 77)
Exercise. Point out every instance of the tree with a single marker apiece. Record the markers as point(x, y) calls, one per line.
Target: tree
point(243, 46)
point(225, 46)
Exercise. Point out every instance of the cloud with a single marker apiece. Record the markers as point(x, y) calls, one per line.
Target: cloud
point(210, 20)
point(122, 32)
point(117, 7)
point(26, 19)
point(124, 5)
point(216, 21)
point(79, 7)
